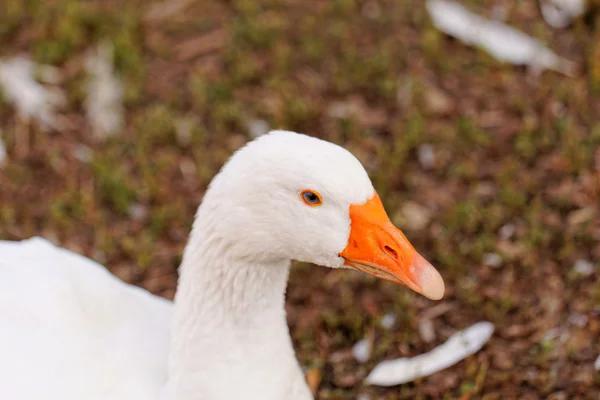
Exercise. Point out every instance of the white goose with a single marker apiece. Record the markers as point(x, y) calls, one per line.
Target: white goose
point(70, 330)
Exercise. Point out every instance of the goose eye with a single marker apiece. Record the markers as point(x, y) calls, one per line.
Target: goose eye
point(311, 198)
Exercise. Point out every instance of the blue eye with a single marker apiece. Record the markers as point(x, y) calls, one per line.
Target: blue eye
point(311, 198)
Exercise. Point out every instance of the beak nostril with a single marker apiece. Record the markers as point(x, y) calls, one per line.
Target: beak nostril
point(355, 244)
point(391, 251)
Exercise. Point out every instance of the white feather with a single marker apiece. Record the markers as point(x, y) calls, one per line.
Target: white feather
point(560, 13)
point(501, 41)
point(71, 330)
point(459, 346)
point(104, 101)
point(31, 99)
point(3, 154)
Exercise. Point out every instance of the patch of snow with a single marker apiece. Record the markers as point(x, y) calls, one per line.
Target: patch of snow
point(500, 40)
point(362, 350)
point(459, 346)
point(31, 99)
point(104, 97)
point(584, 267)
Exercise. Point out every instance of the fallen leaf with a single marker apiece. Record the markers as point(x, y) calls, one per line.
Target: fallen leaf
point(426, 330)
point(314, 376)
point(200, 45)
point(437, 102)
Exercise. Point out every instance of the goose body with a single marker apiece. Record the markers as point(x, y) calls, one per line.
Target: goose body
point(71, 330)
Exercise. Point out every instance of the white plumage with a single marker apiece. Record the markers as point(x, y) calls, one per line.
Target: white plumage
point(69, 330)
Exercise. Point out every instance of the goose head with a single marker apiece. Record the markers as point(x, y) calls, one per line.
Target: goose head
point(294, 197)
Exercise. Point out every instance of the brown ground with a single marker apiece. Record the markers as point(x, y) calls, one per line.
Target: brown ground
point(513, 152)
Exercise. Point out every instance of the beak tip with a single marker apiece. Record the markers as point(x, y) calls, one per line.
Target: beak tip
point(431, 282)
point(434, 289)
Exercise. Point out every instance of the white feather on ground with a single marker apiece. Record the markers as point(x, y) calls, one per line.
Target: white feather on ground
point(104, 101)
point(362, 350)
point(258, 127)
point(459, 346)
point(498, 39)
point(3, 155)
point(31, 99)
point(560, 13)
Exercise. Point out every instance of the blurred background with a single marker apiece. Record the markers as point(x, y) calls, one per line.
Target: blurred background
point(114, 116)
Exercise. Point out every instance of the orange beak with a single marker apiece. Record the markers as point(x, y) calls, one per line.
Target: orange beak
point(377, 247)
